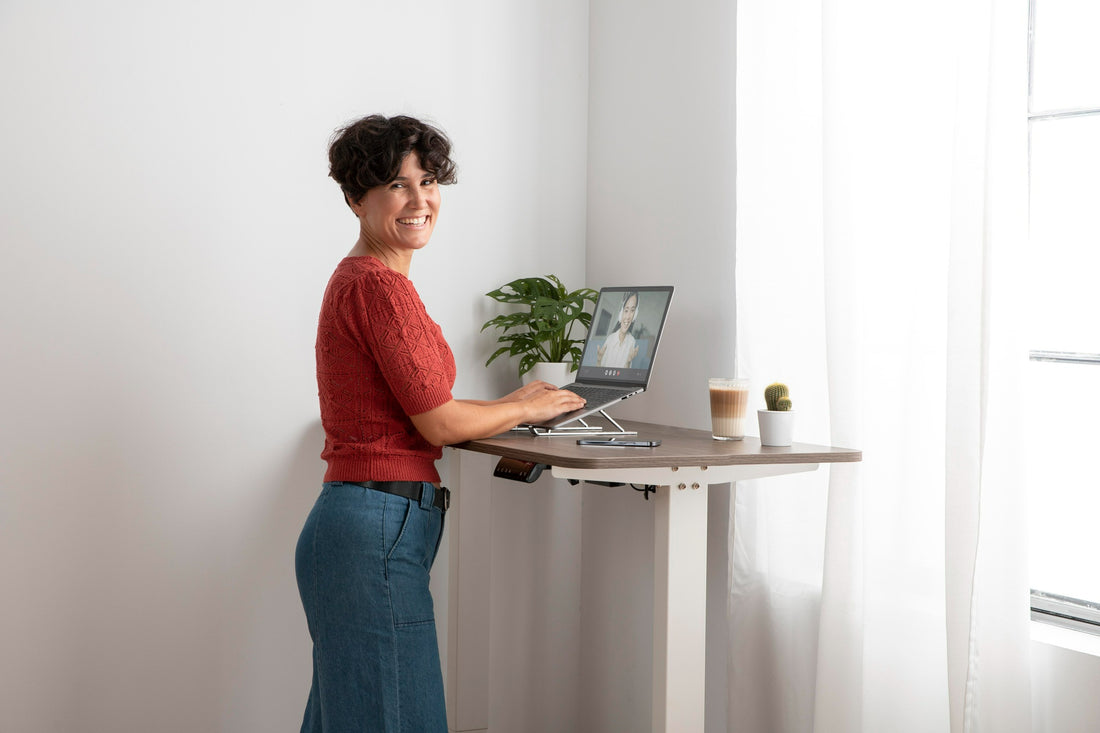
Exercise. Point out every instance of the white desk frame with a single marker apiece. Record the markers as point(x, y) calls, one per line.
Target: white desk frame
point(680, 590)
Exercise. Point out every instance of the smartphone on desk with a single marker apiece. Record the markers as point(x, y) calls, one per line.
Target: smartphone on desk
point(613, 443)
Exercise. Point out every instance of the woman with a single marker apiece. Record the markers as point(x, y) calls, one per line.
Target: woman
point(384, 375)
point(619, 348)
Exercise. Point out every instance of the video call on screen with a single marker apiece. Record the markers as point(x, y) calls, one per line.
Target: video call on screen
point(623, 336)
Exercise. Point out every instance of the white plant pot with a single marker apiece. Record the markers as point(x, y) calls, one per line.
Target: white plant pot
point(775, 427)
point(557, 373)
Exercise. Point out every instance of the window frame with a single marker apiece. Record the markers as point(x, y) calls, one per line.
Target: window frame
point(1047, 607)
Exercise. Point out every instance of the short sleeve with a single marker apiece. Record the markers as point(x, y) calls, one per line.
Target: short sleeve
point(384, 313)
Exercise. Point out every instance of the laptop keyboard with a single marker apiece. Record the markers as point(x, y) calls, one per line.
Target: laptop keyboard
point(597, 395)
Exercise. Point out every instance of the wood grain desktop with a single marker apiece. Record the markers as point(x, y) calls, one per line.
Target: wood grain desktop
point(679, 447)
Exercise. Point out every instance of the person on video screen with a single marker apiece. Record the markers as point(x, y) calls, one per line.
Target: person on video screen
point(619, 348)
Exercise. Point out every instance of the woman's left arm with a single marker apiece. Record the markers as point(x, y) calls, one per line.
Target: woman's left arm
point(520, 394)
point(457, 421)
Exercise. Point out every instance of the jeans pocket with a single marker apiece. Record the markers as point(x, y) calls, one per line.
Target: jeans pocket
point(395, 523)
point(439, 537)
point(407, 565)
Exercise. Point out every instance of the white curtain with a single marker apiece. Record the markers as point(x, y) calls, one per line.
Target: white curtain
point(881, 204)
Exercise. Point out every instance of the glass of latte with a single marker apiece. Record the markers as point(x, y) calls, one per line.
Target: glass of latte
point(729, 404)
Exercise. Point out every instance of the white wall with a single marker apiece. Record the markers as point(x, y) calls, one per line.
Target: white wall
point(1065, 675)
point(167, 231)
point(660, 211)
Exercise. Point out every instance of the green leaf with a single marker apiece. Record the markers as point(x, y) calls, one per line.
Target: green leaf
point(498, 352)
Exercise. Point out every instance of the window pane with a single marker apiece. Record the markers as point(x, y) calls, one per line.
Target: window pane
point(1065, 55)
point(1064, 304)
point(1064, 484)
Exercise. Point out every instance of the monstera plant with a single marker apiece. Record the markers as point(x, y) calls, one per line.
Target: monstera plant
point(549, 327)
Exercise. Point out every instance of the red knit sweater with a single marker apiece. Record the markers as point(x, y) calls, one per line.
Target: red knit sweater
point(380, 358)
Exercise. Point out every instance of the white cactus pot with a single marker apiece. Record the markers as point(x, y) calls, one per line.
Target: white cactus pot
point(775, 427)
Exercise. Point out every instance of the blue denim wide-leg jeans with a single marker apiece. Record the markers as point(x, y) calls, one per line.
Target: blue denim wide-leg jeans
point(362, 563)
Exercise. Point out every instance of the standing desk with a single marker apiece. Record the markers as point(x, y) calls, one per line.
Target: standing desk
point(682, 468)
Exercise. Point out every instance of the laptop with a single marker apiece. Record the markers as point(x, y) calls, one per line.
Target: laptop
point(620, 348)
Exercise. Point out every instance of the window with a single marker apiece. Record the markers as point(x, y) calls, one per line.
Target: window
point(1063, 324)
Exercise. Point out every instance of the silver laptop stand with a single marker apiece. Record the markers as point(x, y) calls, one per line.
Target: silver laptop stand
point(584, 429)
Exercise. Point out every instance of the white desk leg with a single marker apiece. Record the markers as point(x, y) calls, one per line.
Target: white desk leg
point(680, 608)
point(468, 522)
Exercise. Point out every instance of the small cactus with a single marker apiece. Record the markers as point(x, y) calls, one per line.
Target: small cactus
point(776, 397)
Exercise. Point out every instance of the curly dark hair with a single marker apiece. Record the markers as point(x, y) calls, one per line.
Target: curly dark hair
point(369, 152)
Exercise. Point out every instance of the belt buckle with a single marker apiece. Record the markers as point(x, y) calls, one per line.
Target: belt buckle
point(446, 497)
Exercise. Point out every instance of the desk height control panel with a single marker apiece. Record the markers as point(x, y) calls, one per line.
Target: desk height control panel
point(517, 470)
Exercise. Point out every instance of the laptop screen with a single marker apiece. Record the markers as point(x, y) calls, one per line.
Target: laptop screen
point(622, 341)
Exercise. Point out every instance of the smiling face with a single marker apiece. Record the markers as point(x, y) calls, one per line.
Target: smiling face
point(400, 216)
point(630, 309)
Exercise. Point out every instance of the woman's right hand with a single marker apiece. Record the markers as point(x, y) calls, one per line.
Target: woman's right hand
point(528, 390)
point(550, 402)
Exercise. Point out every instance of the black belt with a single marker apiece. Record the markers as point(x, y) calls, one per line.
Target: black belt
point(411, 490)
